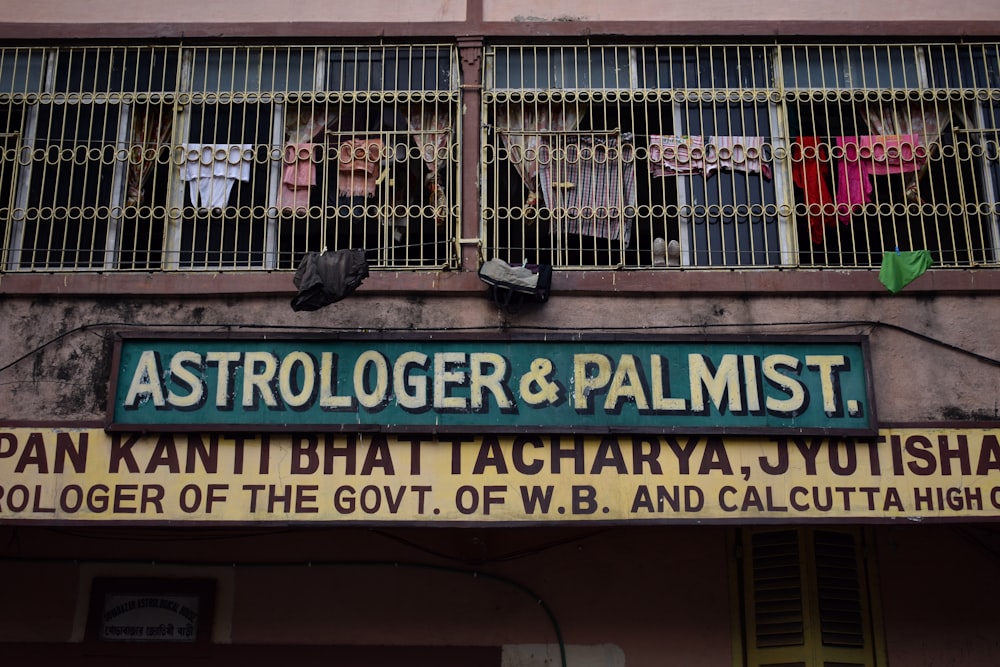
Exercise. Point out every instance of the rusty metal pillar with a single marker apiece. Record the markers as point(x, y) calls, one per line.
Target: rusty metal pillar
point(470, 52)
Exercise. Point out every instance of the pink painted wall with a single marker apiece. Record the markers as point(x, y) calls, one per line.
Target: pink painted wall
point(660, 595)
point(721, 11)
point(246, 11)
point(98, 18)
point(940, 586)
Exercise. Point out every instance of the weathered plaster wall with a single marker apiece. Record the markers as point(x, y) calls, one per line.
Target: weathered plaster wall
point(722, 11)
point(57, 357)
point(666, 604)
point(192, 18)
point(197, 12)
point(655, 596)
point(939, 591)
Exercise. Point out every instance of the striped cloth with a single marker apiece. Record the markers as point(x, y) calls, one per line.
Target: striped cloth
point(589, 184)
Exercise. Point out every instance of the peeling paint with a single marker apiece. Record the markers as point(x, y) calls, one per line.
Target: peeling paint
point(563, 18)
point(956, 413)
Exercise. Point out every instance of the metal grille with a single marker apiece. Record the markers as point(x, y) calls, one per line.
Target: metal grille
point(614, 156)
point(227, 158)
point(748, 155)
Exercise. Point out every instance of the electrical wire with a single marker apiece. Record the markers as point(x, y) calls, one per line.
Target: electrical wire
point(176, 534)
point(873, 324)
point(231, 326)
point(475, 574)
point(513, 555)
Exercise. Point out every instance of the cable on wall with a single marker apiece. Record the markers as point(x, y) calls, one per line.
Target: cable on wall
point(231, 326)
point(475, 574)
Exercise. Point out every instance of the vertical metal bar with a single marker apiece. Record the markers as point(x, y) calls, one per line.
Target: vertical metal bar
point(989, 138)
point(180, 130)
point(26, 159)
point(780, 141)
point(683, 199)
point(111, 250)
point(273, 185)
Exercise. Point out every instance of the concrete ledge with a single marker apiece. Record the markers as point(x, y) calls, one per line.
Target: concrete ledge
point(791, 281)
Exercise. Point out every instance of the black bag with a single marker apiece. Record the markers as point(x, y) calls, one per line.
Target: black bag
point(511, 285)
point(325, 278)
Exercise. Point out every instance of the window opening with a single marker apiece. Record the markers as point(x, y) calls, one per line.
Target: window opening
point(892, 153)
point(754, 156)
point(806, 599)
point(209, 158)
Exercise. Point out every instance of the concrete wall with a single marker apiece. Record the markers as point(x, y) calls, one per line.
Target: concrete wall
point(666, 603)
point(939, 591)
point(923, 347)
point(97, 18)
point(642, 597)
point(246, 11)
point(636, 596)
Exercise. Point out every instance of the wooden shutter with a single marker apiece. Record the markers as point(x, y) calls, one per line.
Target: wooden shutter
point(806, 601)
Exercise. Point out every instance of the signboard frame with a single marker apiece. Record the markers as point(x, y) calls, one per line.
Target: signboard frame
point(150, 589)
point(89, 476)
point(741, 345)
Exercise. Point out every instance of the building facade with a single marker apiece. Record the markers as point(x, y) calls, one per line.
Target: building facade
point(755, 422)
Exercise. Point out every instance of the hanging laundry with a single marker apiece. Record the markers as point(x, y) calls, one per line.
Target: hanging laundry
point(810, 173)
point(867, 156)
point(304, 122)
point(212, 169)
point(358, 167)
point(899, 269)
point(738, 153)
point(589, 181)
point(925, 121)
point(681, 155)
point(676, 155)
point(297, 178)
point(892, 154)
point(150, 130)
point(521, 130)
point(431, 130)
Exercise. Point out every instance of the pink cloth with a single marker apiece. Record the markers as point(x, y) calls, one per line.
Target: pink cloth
point(892, 154)
point(736, 153)
point(358, 164)
point(676, 155)
point(868, 156)
point(681, 155)
point(297, 178)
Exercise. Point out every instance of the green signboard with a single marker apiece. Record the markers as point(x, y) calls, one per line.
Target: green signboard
point(441, 383)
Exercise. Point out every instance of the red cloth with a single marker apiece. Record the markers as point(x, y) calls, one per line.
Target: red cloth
point(810, 172)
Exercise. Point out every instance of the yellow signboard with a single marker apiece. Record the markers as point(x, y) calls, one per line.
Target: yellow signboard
point(90, 475)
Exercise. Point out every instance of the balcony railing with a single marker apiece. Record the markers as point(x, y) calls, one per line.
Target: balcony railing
point(615, 156)
point(741, 156)
point(238, 158)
